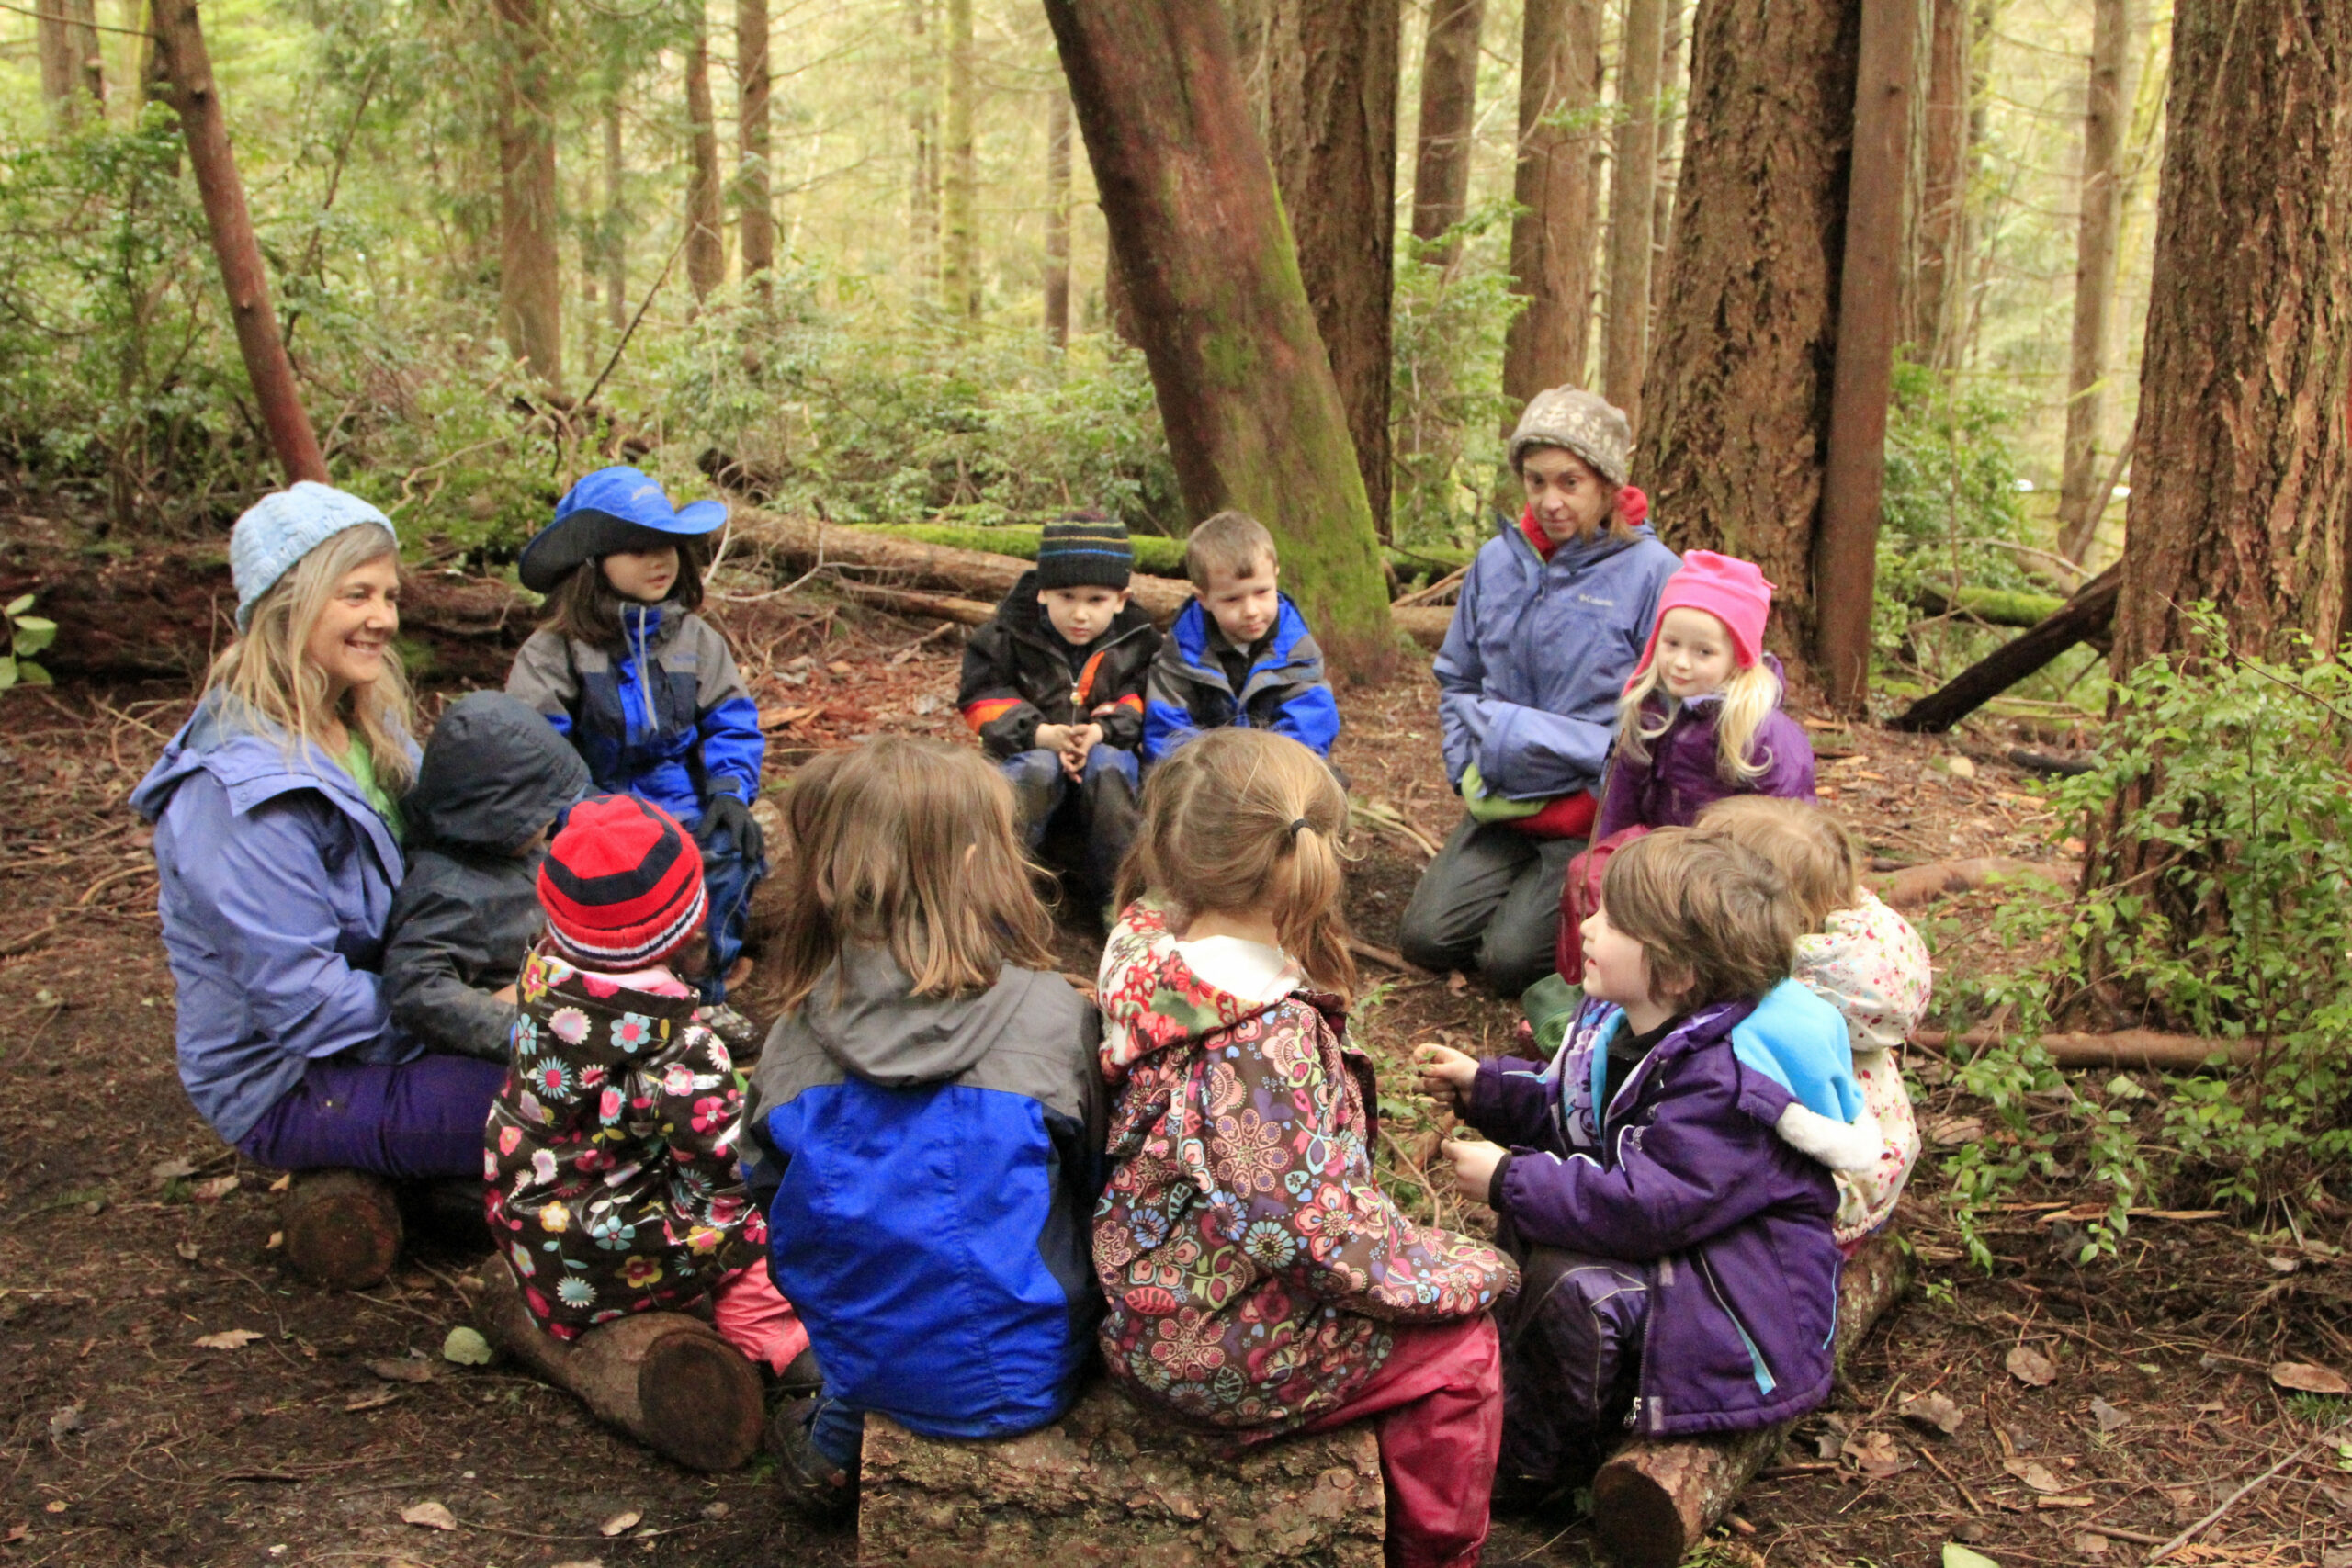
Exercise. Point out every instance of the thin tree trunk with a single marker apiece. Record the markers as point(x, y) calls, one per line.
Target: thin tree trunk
point(1449, 112)
point(2106, 111)
point(1058, 133)
point(615, 224)
point(1552, 237)
point(188, 67)
point(1246, 395)
point(706, 233)
point(1845, 555)
point(1669, 157)
point(73, 73)
point(1943, 186)
point(1332, 108)
point(755, 216)
point(1632, 198)
point(923, 132)
point(1738, 389)
point(530, 272)
point(960, 280)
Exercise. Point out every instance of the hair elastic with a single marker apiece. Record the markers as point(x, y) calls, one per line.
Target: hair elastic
point(1296, 823)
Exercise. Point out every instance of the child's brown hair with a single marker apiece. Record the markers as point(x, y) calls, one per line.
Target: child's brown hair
point(1715, 920)
point(1249, 821)
point(587, 608)
point(1809, 848)
point(907, 844)
point(1231, 541)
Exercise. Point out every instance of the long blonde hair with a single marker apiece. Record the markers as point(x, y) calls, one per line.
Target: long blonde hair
point(1749, 697)
point(269, 673)
point(907, 844)
point(1246, 821)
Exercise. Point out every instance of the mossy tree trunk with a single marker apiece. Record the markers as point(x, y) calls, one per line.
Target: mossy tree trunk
point(1552, 237)
point(706, 236)
point(530, 275)
point(1449, 117)
point(1253, 417)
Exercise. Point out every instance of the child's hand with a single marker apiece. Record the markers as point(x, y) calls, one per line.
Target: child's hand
point(1474, 1165)
point(1052, 736)
point(1447, 1074)
point(1083, 737)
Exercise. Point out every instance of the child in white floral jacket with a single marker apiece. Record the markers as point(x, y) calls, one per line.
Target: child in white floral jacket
point(1863, 959)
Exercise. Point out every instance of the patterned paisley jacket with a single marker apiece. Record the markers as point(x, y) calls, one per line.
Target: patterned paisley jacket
point(1254, 1270)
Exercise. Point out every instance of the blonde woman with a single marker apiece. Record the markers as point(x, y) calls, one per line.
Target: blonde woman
point(277, 834)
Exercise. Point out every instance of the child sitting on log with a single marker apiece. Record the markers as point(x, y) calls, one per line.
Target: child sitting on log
point(1863, 959)
point(611, 1150)
point(1239, 654)
point(926, 1138)
point(1680, 1276)
point(1259, 1279)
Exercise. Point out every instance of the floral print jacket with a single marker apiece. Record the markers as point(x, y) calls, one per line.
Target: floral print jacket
point(1254, 1270)
point(1871, 967)
point(611, 1150)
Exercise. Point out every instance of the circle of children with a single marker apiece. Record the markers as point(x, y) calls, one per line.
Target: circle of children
point(507, 961)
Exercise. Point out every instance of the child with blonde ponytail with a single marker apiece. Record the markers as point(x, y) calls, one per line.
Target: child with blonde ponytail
point(1258, 1278)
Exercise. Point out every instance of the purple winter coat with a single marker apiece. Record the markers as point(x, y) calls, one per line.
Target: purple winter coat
point(1682, 778)
point(1689, 1182)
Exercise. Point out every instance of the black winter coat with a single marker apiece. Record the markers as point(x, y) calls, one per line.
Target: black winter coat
point(1016, 676)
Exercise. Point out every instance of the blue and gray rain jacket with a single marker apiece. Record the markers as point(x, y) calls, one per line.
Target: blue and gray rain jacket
point(1284, 691)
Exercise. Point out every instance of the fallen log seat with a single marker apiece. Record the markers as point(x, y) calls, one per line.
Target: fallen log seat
point(1112, 1483)
point(343, 1228)
point(1655, 1501)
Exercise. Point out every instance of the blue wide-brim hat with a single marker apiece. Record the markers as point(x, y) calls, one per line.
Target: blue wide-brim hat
point(619, 508)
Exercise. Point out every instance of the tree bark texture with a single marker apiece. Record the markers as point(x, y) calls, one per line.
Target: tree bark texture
point(960, 277)
point(1253, 417)
point(2242, 487)
point(615, 224)
point(706, 236)
point(72, 72)
point(1058, 137)
point(755, 214)
point(2107, 107)
point(1844, 552)
point(1632, 198)
point(1449, 116)
point(187, 65)
point(1552, 237)
point(1738, 389)
point(530, 278)
point(1111, 1482)
point(1940, 267)
point(1669, 158)
point(1332, 116)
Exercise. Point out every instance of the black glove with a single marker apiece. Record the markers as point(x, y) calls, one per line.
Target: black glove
point(730, 813)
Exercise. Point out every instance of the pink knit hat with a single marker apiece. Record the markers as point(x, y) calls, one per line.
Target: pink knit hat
point(1731, 590)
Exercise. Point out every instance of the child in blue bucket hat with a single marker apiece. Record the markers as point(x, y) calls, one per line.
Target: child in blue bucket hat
point(645, 688)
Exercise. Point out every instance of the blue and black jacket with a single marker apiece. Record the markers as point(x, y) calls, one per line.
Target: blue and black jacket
point(1284, 690)
point(929, 1167)
point(666, 718)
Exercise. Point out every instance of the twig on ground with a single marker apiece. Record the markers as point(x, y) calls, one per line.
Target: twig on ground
point(2193, 1532)
point(1380, 955)
point(1958, 1484)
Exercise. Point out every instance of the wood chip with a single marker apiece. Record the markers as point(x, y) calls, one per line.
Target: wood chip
point(620, 1522)
point(429, 1516)
point(228, 1339)
point(402, 1371)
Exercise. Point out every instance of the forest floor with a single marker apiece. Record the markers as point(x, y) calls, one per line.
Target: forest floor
point(132, 1243)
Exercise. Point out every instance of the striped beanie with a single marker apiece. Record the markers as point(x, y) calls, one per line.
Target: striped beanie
point(621, 884)
point(1084, 549)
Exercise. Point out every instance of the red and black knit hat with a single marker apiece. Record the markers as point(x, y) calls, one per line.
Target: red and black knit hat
point(622, 884)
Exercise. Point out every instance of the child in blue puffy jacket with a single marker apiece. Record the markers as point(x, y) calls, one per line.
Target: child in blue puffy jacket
point(645, 688)
point(1239, 653)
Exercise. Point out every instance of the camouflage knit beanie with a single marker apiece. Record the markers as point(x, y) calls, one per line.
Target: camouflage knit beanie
point(1583, 423)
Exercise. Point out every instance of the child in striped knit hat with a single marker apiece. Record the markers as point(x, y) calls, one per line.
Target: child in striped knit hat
point(611, 1145)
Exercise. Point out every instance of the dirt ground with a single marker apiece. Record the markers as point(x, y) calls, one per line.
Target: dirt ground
point(129, 1237)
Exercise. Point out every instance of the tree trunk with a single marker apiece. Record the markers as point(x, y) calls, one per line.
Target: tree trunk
point(1939, 267)
point(343, 1228)
point(923, 132)
point(1448, 115)
point(2242, 489)
point(615, 223)
point(706, 236)
point(1058, 135)
point(1331, 109)
point(1669, 161)
point(2105, 110)
point(1552, 237)
point(959, 275)
point(186, 64)
point(72, 72)
point(755, 214)
point(530, 275)
point(1845, 556)
point(1245, 391)
point(1739, 383)
point(1631, 199)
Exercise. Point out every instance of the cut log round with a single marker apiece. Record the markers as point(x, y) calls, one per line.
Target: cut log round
point(343, 1228)
point(1111, 1484)
point(662, 1377)
point(1654, 1501)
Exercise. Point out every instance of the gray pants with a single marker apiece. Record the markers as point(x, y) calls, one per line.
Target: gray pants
point(1491, 900)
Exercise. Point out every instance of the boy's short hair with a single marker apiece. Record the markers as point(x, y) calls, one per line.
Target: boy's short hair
point(1231, 541)
point(1804, 842)
point(1705, 910)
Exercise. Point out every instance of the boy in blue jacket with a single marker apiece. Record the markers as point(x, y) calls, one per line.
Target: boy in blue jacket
point(1239, 653)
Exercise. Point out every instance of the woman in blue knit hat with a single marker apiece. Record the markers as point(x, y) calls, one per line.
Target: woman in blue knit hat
point(277, 833)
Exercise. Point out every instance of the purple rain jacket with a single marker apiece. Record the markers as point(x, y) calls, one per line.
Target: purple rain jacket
point(1680, 780)
point(1685, 1177)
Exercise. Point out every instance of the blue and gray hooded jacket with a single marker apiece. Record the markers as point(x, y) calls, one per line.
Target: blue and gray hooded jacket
point(1284, 691)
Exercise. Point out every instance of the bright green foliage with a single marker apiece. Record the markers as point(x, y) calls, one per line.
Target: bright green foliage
point(26, 635)
point(1447, 409)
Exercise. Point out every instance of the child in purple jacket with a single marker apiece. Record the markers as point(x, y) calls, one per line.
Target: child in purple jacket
point(1679, 1271)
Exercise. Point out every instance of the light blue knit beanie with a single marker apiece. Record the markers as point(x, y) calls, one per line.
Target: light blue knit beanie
point(281, 528)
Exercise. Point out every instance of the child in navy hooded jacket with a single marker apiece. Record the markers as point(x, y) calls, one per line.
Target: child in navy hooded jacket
point(1239, 653)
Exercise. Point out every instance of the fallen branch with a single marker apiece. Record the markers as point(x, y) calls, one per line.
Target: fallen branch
point(1917, 886)
point(1380, 955)
point(1450, 584)
point(962, 612)
point(2146, 1048)
point(2084, 616)
point(2193, 1532)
